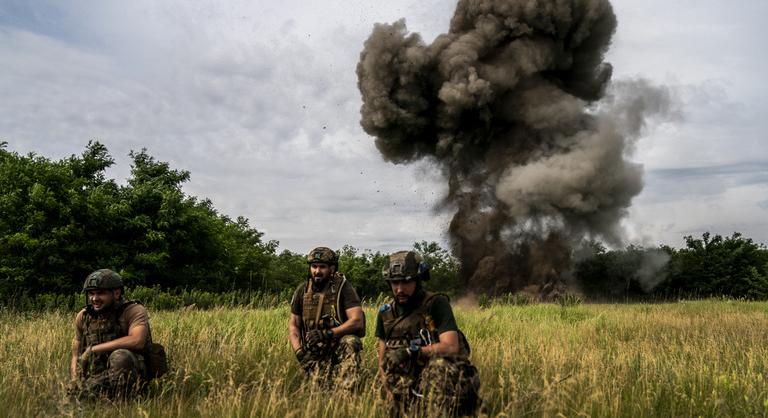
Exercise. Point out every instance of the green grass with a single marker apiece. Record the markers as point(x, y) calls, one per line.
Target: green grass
point(707, 358)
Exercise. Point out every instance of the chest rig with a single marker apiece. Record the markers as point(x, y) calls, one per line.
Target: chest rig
point(99, 328)
point(102, 328)
point(320, 309)
point(399, 331)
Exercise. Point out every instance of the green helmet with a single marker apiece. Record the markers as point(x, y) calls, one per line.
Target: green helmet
point(323, 255)
point(405, 265)
point(103, 279)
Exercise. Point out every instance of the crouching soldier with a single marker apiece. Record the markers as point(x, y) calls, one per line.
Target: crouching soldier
point(112, 338)
point(327, 322)
point(423, 356)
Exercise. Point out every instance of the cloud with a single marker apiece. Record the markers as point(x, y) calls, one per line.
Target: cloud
point(259, 101)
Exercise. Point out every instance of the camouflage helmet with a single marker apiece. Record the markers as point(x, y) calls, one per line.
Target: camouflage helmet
point(405, 265)
point(322, 255)
point(103, 279)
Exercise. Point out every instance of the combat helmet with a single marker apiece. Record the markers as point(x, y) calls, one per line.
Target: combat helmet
point(323, 255)
point(103, 279)
point(405, 265)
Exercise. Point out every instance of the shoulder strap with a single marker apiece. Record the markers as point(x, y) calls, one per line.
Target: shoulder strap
point(425, 314)
point(321, 300)
point(86, 324)
point(122, 307)
point(427, 303)
point(338, 299)
point(396, 320)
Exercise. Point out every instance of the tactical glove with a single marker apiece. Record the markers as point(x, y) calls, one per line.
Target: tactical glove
point(317, 336)
point(397, 360)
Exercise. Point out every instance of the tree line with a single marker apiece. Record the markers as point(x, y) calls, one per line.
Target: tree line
point(731, 266)
point(62, 219)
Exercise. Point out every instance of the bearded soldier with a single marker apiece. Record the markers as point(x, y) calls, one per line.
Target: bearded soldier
point(327, 322)
point(111, 338)
point(423, 356)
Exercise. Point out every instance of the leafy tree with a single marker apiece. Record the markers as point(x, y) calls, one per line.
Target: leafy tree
point(444, 268)
point(63, 219)
point(628, 273)
point(363, 270)
point(43, 229)
point(286, 271)
point(713, 265)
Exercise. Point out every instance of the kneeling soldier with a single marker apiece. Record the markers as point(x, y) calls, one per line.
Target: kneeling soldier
point(327, 322)
point(423, 356)
point(111, 336)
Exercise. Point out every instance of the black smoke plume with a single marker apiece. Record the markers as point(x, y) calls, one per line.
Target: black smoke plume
point(507, 103)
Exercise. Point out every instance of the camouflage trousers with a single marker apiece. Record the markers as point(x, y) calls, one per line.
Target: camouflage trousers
point(337, 367)
point(444, 386)
point(113, 376)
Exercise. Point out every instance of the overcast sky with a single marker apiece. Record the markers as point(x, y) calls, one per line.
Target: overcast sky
point(259, 101)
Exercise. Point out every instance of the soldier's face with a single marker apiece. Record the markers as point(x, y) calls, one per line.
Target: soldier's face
point(321, 271)
point(102, 298)
point(403, 290)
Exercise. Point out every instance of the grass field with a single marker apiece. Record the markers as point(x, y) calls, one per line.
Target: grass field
point(707, 358)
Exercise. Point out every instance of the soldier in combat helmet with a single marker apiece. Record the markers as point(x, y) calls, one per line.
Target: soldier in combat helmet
point(423, 356)
point(327, 322)
point(111, 336)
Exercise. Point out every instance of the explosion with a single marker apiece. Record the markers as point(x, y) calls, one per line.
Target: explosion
point(508, 105)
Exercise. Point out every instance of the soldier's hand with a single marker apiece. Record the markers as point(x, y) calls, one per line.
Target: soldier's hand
point(317, 336)
point(87, 354)
point(389, 395)
point(398, 359)
point(301, 355)
point(414, 348)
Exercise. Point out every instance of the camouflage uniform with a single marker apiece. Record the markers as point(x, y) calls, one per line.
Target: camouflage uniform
point(446, 384)
point(334, 362)
point(108, 374)
point(339, 359)
point(121, 371)
point(436, 385)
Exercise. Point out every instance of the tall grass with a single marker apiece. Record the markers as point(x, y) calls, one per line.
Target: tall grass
point(153, 298)
point(707, 358)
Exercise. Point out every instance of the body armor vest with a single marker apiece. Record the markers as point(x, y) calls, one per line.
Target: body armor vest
point(320, 309)
point(98, 329)
point(399, 331)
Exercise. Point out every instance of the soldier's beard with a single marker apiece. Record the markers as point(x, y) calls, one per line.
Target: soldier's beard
point(104, 305)
point(413, 300)
point(104, 308)
point(318, 282)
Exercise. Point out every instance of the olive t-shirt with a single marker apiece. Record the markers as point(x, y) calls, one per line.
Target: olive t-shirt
point(440, 311)
point(349, 299)
point(133, 315)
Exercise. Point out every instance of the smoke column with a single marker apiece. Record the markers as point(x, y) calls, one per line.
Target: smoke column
point(508, 105)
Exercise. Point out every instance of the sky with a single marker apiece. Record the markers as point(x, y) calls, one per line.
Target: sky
point(259, 101)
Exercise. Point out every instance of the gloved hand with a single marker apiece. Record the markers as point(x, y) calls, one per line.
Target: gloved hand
point(399, 359)
point(317, 336)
